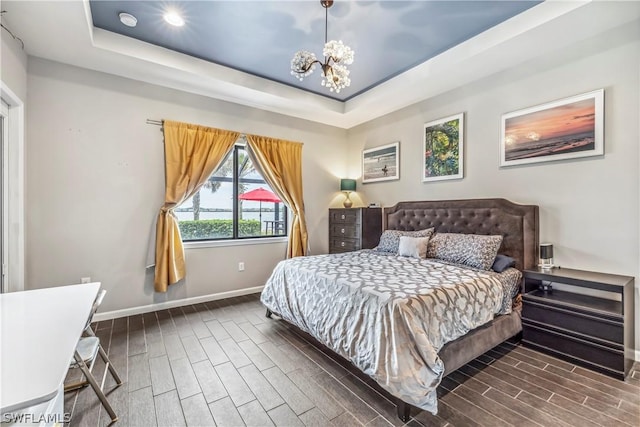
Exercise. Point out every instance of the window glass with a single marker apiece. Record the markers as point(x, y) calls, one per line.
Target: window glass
point(234, 203)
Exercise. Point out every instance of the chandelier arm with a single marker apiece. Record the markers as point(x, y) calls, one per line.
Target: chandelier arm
point(309, 65)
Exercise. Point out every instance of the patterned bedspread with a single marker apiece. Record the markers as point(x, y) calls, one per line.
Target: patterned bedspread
point(388, 315)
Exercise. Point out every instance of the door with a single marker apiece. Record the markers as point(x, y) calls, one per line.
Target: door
point(4, 137)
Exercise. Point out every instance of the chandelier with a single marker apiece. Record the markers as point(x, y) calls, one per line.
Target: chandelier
point(336, 57)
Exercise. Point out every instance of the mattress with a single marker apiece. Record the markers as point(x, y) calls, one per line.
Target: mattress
point(389, 315)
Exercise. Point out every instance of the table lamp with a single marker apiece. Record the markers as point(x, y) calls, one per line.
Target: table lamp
point(546, 256)
point(347, 186)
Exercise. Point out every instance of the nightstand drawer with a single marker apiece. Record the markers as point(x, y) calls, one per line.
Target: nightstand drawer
point(556, 342)
point(343, 245)
point(582, 323)
point(344, 216)
point(341, 231)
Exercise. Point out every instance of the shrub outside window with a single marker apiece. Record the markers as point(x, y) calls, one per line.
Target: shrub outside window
point(234, 203)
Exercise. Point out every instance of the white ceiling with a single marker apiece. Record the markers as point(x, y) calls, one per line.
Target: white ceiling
point(63, 31)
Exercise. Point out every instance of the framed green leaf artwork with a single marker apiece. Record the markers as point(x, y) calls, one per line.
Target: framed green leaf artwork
point(443, 149)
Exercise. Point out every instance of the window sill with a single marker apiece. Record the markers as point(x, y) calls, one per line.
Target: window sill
point(234, 242)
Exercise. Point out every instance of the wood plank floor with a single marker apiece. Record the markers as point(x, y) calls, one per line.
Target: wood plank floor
point(223, 363)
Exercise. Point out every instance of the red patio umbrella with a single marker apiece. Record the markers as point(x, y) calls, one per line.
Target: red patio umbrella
point(260, 195)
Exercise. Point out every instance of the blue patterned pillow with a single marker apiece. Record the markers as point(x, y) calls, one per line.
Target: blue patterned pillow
point(502, 262)
point(390, 239)
point(474, 250)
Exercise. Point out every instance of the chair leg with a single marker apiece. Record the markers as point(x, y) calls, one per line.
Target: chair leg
point(95, 386)
point(75, 386)
point(80, 383)
point(106, 360)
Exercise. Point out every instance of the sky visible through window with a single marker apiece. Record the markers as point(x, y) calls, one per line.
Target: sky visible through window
point(223, 199)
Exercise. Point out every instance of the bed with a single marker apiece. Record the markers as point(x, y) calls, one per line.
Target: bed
point(406, 322)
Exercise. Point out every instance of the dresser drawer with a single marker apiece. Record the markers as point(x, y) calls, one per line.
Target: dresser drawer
point(556, 341)
point(573, 321)
point(343, 245)
point(341, 231)
point(349, 216)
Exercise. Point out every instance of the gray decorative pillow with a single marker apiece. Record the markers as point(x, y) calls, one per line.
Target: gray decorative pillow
point(474, 250)
point(390, 239)
point(502, 262)
point(415, 247)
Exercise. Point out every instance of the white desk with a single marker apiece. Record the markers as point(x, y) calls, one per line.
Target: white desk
point(39, 331)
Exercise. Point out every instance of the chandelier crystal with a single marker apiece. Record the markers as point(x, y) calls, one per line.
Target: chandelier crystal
point(336, 57)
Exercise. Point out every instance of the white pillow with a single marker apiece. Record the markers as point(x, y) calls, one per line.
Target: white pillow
point(415, 247)
point(390, 239)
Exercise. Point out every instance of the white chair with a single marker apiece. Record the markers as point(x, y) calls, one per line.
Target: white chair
point(85, 356)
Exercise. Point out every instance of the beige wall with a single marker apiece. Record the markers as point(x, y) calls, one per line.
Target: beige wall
point(589, 208)
point(13, 65)
point(96, 181)
point(95, 176)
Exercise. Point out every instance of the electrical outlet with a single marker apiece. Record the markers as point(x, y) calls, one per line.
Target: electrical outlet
point(241, 266)
point(85, 280)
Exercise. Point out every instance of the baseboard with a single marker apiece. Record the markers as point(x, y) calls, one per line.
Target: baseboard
point(637, 356)
point(108, 315)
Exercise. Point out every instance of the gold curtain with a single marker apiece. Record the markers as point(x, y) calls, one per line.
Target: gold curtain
point(191, 154)
point(280, 163)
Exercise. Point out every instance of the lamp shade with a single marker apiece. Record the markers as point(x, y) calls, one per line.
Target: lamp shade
point(347, 185)
point(546, 251)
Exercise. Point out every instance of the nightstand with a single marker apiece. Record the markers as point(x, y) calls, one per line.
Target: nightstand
point(353, 229)
point(594, 332)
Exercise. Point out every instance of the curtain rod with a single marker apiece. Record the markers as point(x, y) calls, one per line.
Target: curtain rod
point(161, 122)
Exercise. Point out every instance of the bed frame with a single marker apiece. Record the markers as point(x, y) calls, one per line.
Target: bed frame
point(518, 224)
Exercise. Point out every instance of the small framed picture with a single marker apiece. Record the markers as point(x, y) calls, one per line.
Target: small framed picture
point(443, 149)
point(565, 129)
point(381, 163)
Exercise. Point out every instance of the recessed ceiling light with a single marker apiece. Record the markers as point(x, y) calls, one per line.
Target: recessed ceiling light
point(174, 18)
point(128, 19)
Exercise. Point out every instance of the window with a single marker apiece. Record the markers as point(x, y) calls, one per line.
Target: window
point(234, 203)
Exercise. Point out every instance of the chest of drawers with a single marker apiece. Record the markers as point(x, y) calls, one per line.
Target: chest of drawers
point(354, 229)
point(588, 330)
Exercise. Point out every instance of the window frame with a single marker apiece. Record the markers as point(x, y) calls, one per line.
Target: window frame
point(236, 239)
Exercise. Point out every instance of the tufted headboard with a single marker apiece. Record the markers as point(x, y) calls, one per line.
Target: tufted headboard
point(518, 224)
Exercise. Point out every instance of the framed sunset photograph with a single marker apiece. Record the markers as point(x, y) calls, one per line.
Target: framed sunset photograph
point(565, 129)
point(381, 163)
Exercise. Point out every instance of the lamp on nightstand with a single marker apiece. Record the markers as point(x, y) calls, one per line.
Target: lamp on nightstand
point(347, 186)
point(546, 256)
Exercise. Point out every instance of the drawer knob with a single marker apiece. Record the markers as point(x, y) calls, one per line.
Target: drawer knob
point(342, 230)
point(342, 216)
point(342, 244)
